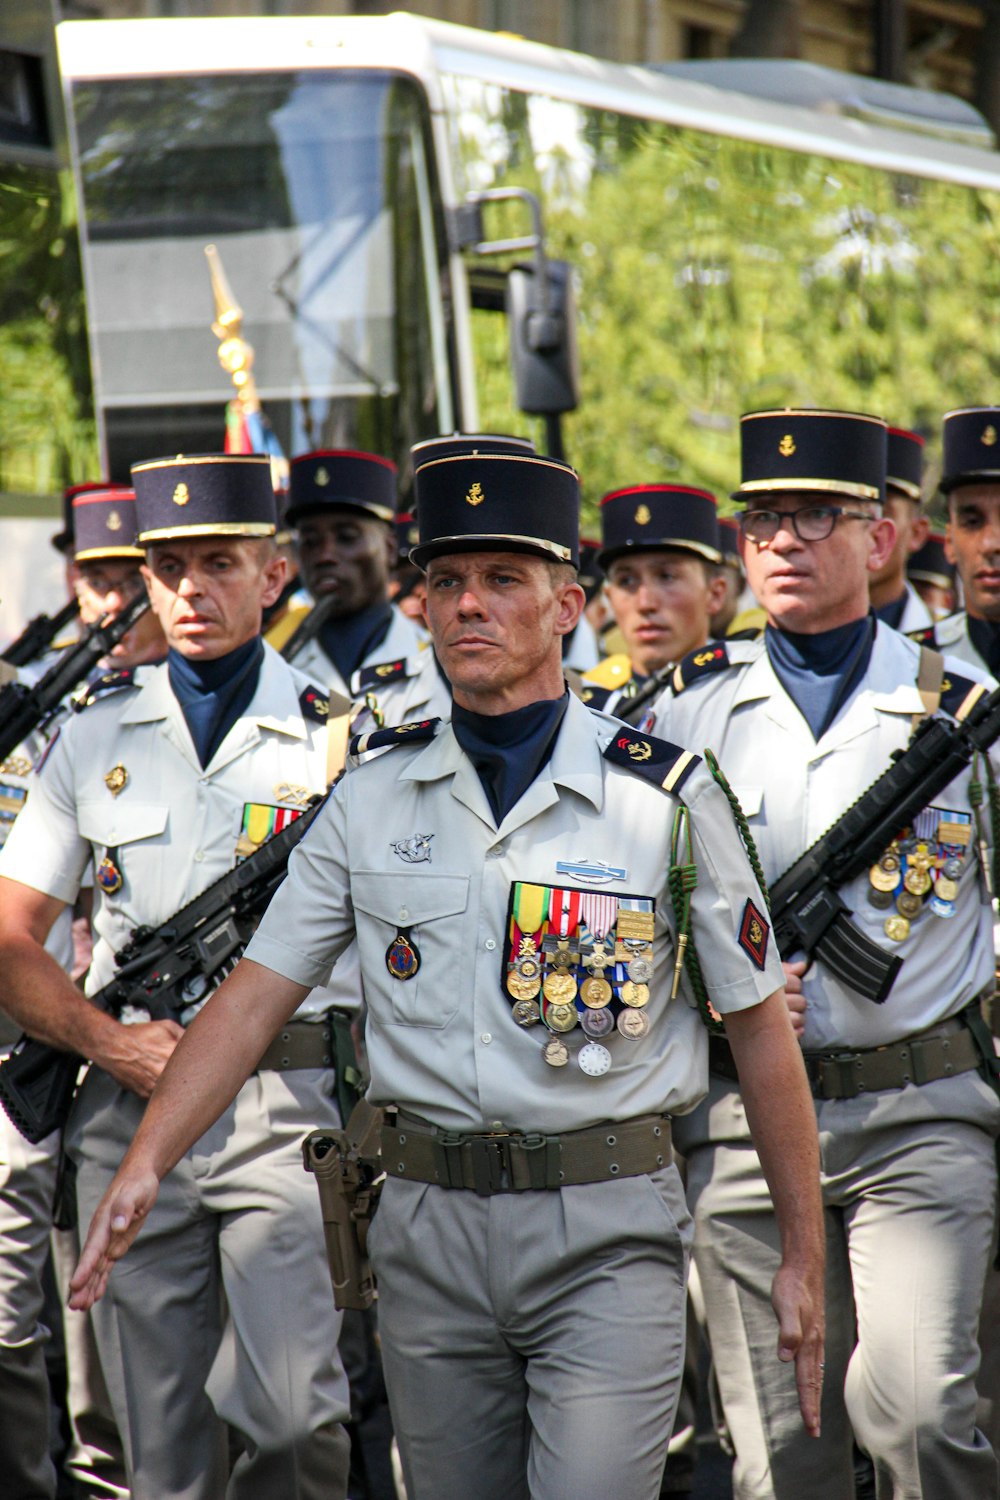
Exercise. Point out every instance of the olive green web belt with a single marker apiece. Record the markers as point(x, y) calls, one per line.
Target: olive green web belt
point(942, 1051)
point(516, 1161)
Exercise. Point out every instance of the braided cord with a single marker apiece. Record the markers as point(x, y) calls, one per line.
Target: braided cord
point(371, 703)
point(741, 823)
point(682, 879)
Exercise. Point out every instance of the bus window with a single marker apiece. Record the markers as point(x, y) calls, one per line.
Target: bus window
point(318, 190)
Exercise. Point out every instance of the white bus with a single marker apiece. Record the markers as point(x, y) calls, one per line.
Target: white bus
point(830, 246)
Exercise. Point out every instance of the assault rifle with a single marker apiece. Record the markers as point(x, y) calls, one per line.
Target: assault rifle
point(808, 914)
point(162, 970)
point(38, 635)
point(23, 709)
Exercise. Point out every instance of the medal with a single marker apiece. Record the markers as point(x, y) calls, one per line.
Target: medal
point(594, 1059)
point(556, 1052)
point(882, 879)
point(595, 993)
point(641, 970)
point(634, 924)
point(952, 867)
point(116, 780)
point(108, 875)
point(897, 929)
point(561, 957)
point(528, 966)
point(598, 959)
point(634, 994)
point(598, 1023)
point(561, 1017)
point(908, 905)
point(559, 987)
point(880, 899)
point(917, 880)
point(522, 989)
point(402, 958)
point(945, 889)
point(526, 1012)
point(633, 1024)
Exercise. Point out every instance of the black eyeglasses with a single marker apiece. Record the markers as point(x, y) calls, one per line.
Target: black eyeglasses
point(812, 524)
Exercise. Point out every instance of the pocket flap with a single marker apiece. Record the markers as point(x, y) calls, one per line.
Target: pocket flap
point(404, 898)
point(750, 798)
point(112, 825)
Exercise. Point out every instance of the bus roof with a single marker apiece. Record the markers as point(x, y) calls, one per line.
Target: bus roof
point(426, 49)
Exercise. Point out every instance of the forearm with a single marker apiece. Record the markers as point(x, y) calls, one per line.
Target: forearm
point(782, 1122)
point(216, 1056)
point(42, 999)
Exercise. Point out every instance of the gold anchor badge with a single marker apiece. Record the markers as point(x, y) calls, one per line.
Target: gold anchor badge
point(989, 436)
point(787, 445)
point(640, 750)
point(114, 522)
point(643, 515)
point(756, 932)
point(181, 495)
point(322, 476)
point(116, 779)
point(475, 495)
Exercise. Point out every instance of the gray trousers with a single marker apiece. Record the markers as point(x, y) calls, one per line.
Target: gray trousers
point(533, 1342)
point(222, 1313)
point(909, 1186)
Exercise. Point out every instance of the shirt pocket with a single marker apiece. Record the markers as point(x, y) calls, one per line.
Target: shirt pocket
point(750, 798)
point(119, 828)
point(426, 908)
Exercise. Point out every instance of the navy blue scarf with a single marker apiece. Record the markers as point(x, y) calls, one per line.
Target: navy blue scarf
point(891, 614)
point(213, 694)
point(349, 639)
point(509, 750)
point(820, 672)
point(985, 636)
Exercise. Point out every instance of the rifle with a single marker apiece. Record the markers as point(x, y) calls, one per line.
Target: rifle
point(162, 970)
point(627, 709)
point(23, 709)
point(309, 629)
point(38, 635)
point(808, 914)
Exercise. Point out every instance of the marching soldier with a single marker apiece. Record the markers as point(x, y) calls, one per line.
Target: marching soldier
point(518, 945)
point(662, 563)
point(894, 599)
point(732, 572)
point(157, 786)
point(803, 721)
point(933, 576)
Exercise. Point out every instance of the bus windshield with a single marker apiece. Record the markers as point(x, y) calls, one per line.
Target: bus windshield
point(317, 189)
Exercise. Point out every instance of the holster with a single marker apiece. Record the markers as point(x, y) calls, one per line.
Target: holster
point(348, 1170)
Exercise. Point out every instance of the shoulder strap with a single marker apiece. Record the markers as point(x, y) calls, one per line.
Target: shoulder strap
point(338, 731)
point(930, 679)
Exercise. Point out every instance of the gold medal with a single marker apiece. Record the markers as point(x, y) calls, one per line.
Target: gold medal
point(945, 889)
point(882, 879)
point(908, 905)
point(917, 880)
point(634, 994)
point(556, 1052)
point(595, 993)
point(889, 860)
point(522, 989)
point(633, 1024)
point(116, 779)
point(897, 929)
point(598, 959)
point(559, 988)
point(561, 1017)
point(526, 1012)
point(561, 957)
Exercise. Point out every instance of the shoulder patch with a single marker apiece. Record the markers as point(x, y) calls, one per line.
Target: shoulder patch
point(109, 683)
point(927, 636)
point(314, 705)
point(660, 762)
point(380, 673)
point(403, 734)
point(594, 696)
point(711, 658)
point(955, 690)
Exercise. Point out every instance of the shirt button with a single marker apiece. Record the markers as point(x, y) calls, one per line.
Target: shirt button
point(490, 944)
point(498, 851)
point(496, 1124)
point(199, 855)
point(404, 913)
point(486, 1038)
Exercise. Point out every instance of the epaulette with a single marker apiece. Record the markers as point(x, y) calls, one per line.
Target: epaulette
point(611, 673)
point(380, 673)
point(403, 734)
point(660, 762)
point(955, 690)
point(749, 633)
point(594, 696)
point(699, 663)
point(925, 636)
point(314, 705)
point(109, 683)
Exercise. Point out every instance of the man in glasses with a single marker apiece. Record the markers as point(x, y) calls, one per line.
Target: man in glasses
point(803, 721)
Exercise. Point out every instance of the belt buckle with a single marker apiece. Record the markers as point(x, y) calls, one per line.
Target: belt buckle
point(490, 1157)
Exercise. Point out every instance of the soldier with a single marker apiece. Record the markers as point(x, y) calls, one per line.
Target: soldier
point(342, 506)
point(804, 720)
point(662, 564)
point(732, 572)
point(933, 576)
point(108, 577)
point(894, 599)
point(226, 1320)
point(530, 1241)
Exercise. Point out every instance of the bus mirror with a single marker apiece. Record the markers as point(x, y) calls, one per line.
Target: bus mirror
point(541, 314)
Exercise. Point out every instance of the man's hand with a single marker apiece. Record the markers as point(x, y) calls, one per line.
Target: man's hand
point(794, 997)
point(799, 1307)
point(135, 1056)
point(119, 1217)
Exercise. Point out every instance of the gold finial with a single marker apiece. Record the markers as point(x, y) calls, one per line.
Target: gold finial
point(787, 445)
point(475, 495)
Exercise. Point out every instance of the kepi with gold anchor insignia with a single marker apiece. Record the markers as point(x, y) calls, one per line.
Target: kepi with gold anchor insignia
point(971, 436)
